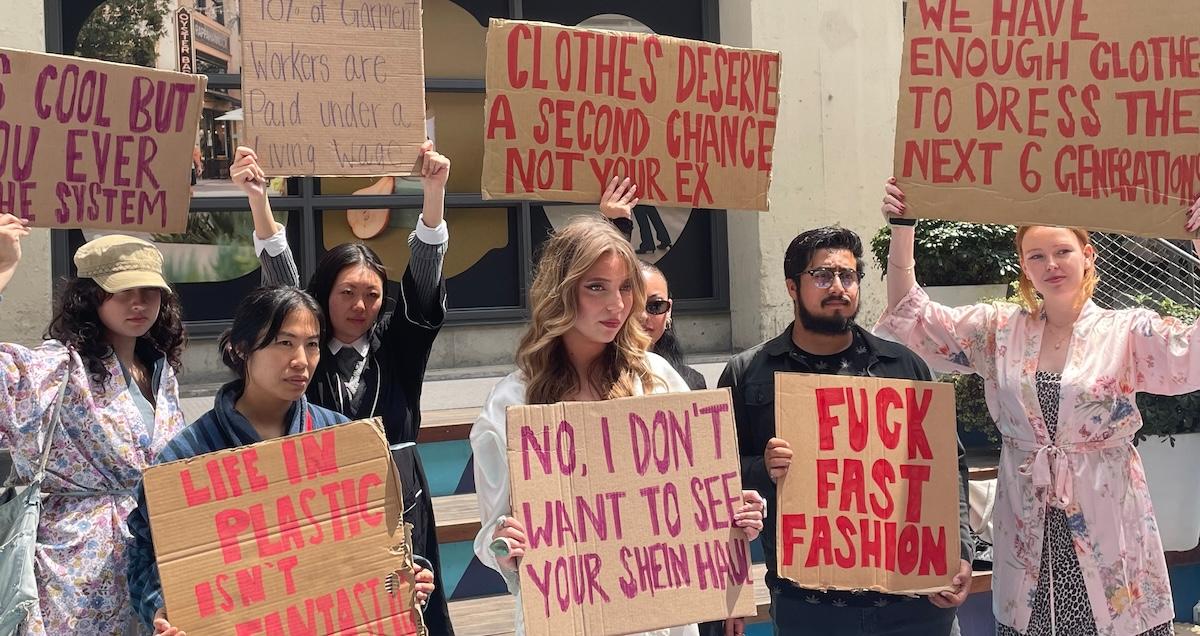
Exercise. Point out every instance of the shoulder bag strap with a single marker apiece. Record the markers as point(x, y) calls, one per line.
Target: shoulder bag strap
point(55, 419)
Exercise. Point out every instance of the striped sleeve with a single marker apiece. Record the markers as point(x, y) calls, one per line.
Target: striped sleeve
point(145, 586)
point(428, 247)
point(275, 256)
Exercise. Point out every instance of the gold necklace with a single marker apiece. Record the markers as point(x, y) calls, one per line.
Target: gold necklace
point(1058, 345)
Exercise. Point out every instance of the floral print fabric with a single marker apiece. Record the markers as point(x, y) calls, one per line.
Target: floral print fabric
point(96, 460)
point(1091, 471)
point(1061, 604)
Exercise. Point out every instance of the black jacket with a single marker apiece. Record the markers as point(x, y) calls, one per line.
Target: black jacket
point(750, 375)
point(394, 374)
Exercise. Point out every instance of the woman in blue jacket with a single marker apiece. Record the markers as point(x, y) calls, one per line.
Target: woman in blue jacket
point(273, 347)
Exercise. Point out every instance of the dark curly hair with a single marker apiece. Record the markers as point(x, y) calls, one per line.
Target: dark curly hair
point(77, 324)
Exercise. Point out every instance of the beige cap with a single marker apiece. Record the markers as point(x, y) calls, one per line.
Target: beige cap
point(118, 262)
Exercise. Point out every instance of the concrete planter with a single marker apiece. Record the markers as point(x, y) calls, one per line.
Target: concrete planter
point(958, 295)
point(1172, 474)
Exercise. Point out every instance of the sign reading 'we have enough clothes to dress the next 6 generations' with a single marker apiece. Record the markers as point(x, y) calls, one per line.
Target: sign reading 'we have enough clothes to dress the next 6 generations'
point(333, 88)
point(1061, 112)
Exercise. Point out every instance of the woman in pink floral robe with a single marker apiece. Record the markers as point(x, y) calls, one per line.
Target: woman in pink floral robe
point(117, 337)
point(1082, 468)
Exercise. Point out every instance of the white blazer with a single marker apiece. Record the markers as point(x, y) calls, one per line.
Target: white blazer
point(488, 442)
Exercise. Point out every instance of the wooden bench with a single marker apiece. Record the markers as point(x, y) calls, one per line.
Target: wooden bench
point(457, 517)
point(447, 425)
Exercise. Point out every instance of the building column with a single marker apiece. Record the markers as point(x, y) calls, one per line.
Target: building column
point(27, 300)
point(833, 148)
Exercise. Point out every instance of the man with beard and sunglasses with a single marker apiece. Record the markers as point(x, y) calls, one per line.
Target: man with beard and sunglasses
point(822, 268)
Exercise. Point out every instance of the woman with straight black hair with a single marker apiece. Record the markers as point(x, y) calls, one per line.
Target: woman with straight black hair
point(273, 347)
point(374, 359)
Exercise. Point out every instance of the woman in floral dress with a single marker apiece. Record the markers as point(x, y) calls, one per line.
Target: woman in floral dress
point(1077, 549)
point(116, 339)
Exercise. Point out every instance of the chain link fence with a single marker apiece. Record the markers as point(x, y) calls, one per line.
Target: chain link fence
point(1137, 271)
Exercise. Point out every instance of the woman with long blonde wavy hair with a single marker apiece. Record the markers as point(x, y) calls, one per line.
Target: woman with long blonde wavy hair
point(580, 346)
point(552, 373)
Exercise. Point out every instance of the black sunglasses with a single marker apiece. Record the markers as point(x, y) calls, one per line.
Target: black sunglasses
point(658, 306)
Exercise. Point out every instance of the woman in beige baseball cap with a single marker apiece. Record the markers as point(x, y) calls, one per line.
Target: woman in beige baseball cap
point(115, 340)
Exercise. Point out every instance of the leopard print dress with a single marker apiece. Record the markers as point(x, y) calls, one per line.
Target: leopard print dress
point(1063, 593)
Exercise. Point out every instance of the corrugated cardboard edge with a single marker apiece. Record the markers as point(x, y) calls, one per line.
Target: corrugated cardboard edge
point(551, 413)
point(840, 588)
point(394, 506)
point(488, 195)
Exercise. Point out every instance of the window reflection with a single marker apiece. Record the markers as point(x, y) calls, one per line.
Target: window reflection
point(481, 266)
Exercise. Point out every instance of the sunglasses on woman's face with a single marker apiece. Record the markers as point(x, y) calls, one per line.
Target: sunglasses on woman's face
point(658, 306)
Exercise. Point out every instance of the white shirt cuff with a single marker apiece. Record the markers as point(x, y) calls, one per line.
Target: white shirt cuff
point(432, 235)
point(275, 245)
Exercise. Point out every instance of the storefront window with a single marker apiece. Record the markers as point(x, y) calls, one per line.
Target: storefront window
point(209, 264)
point(217, 247)
point(493, 243)
point(454, 37)
point(480, 266)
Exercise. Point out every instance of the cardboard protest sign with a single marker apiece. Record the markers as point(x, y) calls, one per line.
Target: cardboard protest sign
point(628, 505)
point(692, 123)
point(871, 498)
point(1056, 112)
point(297, 535)
point(333, 89)
point(91, 144)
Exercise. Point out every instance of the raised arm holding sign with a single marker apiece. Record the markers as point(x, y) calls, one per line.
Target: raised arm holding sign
point(350, 284)
point(1060, 375)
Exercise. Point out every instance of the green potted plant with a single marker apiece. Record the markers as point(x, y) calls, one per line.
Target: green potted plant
point(975, 426)
point(958, 263)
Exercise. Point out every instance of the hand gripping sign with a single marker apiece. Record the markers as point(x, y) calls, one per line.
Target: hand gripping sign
point(297, 535)
point(628, 505)
point(871, 498)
